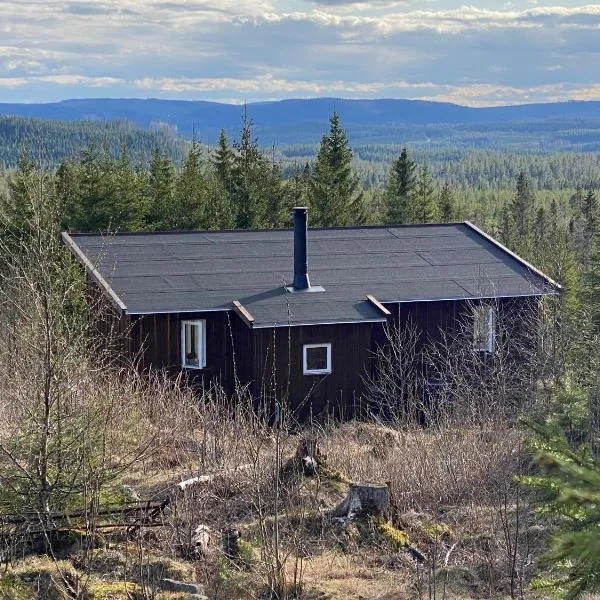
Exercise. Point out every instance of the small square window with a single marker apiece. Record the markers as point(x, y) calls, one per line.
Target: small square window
point(193, 344)
point(484, 328)
point(317, 359)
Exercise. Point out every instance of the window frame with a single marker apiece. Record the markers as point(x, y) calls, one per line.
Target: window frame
point(201, 343)
point(490, 342)
point(306, 370)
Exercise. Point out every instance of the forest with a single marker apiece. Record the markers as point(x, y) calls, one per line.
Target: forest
point(114, 481)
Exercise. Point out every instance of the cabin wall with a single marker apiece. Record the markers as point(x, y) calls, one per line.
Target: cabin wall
point(158, 338)
point(278, 368)
point(270, 361)
point(110, 326)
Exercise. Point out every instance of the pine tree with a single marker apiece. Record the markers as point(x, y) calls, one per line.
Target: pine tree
point(399, 189)
point(446, 203)
point(424, 207)
point(336, 197)
point(570, 485)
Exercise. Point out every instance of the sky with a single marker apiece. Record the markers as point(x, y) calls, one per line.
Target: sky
point(486, 53)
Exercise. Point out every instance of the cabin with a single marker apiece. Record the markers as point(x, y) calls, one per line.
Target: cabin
point(297, 314)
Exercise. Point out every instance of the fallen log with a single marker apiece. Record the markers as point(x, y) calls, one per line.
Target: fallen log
point(200, 479)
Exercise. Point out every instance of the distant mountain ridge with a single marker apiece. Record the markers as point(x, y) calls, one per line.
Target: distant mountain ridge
point(304, 121)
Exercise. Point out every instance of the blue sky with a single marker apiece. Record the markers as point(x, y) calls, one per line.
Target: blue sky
point(484, 53)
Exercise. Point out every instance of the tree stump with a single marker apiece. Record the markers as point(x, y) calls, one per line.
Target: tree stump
point(308, 458)
point(364, 499)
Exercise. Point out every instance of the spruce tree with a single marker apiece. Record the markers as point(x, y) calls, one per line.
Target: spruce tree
point(399, 189)
point(223, 160)
point(522, 209)
point(160, 185)
point(446, 203)
point(17, 206)
point(190, 191)
point(249, 171)
point(129, 209)
point(424, 209)
point(570, 487)
point(335, 193)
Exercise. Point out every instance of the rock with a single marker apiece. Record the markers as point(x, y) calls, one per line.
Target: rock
point(172, 585)
point(201, 540)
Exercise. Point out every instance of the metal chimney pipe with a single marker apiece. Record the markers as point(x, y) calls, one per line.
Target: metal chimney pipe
point(301, 281)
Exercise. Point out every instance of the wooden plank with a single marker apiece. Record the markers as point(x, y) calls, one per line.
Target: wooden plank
point(378, 305)
point(239, 308)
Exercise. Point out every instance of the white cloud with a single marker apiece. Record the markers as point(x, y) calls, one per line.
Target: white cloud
point(257, 49)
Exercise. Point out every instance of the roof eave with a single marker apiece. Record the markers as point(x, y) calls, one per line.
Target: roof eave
point(525, 263)
point(89, 267)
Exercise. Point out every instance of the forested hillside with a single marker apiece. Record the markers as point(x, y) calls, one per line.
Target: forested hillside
point(53, 141)
point(573, 126)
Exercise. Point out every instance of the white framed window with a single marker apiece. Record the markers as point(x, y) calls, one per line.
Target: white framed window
point(193, 344)
point(484, 328)
point(316, 359)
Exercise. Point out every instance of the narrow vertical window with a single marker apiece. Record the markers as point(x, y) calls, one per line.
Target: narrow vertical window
point(193, 344)
point(317, 359)
point(484, 328)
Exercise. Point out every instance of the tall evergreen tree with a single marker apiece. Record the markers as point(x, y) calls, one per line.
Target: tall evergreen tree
point(335, 194)
point(249, 170)
point(447, 205)
point(399, 189)
point(223, 161)
point(522, 209)
point(21, 184)
point(424, 208)
point(160, 187)
point(218, 213)
point(190, 191)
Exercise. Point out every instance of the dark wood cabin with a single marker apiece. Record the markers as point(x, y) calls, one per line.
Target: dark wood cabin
point(241, 307)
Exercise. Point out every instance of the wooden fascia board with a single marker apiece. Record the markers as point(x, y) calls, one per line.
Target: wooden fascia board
point(378, 305)
point(502, 247)
point(85, 261)
point(243, 313)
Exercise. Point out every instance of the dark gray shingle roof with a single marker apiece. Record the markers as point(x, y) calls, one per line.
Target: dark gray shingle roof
point(200, 271)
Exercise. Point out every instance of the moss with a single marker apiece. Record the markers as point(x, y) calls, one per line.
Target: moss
point(154, 568)
point(115, 590)
point(12, 588)
point(246, 550)
point(46, 577)
point(436, 531)
point(396, 537)
point(337, 477)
